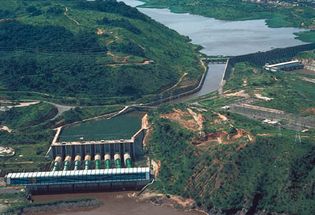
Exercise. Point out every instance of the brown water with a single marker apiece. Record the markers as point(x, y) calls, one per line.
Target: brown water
point(114, 203)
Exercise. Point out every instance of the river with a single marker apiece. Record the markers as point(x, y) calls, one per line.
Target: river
point(217, 38)
point(114, 203)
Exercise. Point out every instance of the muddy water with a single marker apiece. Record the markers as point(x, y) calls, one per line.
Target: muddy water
point(114, 203)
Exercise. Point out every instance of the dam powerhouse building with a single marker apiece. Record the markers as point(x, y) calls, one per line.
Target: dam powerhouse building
point(94, 155)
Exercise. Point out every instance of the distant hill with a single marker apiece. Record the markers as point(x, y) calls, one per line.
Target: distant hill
point(100, 49)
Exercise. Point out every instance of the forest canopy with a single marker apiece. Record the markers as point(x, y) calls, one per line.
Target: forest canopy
point(89, 49)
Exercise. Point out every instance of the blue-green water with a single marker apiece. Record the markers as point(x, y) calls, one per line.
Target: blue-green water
point(120, 127)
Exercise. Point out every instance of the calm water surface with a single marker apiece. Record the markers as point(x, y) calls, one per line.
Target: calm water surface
point(223, 37)
point(219, 37)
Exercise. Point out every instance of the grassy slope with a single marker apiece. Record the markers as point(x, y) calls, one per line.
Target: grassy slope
point(238, 10)
point(29, 142)
point(228, 177)
point(18, 118)
point(91, 75)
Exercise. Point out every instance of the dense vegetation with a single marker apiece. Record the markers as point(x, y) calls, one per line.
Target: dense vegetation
point(176, 155)
point(29, 137)
point(307, 36)
point(226, 179)
point(18, 36)
point(122, 23)
point(92, 50)
point(18, 118)
point(112, 6)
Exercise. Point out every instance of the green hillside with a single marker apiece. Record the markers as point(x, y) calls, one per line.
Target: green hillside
point(93, 50)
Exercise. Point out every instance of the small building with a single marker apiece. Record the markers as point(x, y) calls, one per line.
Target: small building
point(284, 66)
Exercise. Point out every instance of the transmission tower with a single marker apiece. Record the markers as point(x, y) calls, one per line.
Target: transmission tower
point(298, 129)
point(279, 130)
point(298, 137)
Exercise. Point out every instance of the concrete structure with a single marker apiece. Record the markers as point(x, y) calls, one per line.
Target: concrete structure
point(90, 150)
point(80, 180)
point(88, 165)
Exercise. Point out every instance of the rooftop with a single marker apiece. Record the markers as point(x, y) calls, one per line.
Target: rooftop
point(78, 172)
point(282, 64)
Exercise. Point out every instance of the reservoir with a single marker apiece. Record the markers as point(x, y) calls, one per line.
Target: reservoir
point(217, 37)
point(120, 127)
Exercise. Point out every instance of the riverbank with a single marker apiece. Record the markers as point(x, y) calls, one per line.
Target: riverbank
point(55, 207)
point(13, 201)
point(169, 200)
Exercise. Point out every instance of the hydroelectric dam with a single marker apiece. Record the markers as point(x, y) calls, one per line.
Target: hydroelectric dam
point(91, 156)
